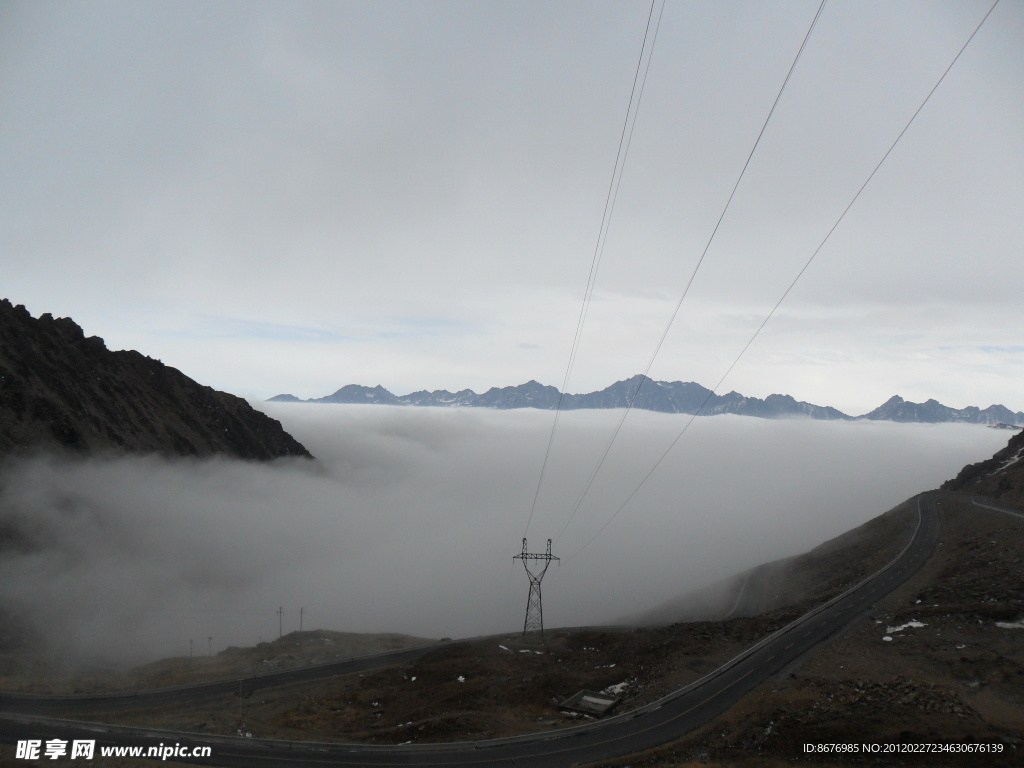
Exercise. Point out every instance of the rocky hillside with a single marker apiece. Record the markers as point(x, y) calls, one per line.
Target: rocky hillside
point(61, 389)
point(1001, 477)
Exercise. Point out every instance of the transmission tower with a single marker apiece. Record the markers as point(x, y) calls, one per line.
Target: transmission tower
point(534, 610)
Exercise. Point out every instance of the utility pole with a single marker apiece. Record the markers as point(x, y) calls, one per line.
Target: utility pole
point(209, 646)
point(280, 618)
point(190, 648)
point(301, 611)
point(534, 610)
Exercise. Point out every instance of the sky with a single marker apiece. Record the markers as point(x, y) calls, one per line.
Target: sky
point(290, 197)
point(410, 520)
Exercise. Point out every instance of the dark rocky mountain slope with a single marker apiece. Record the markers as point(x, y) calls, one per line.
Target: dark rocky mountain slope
point(61, 389)
point(1001, 477)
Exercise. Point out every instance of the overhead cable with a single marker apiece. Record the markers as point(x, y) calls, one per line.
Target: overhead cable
point(625, 138)
point(643, 377)
point(791, 285)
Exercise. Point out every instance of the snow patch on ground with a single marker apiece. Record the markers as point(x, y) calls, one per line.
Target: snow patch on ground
point(1009, 462)
point(1019, 624)
point(901, 627)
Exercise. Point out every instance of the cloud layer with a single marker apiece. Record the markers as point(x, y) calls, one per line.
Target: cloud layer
point(410, 522)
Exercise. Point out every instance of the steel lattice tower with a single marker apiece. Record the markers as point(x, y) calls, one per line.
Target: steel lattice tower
point(534, 610)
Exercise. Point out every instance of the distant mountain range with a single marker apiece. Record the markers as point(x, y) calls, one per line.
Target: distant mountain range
point(666, 397)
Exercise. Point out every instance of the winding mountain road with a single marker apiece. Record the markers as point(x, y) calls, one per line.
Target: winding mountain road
point(23, 716)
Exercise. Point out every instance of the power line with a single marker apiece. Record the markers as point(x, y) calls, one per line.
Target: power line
point(625, 138)
point(786, 293)
point(693, 275)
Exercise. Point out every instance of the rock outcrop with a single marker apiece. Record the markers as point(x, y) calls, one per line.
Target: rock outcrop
point(62, 389)
point(1001, 477)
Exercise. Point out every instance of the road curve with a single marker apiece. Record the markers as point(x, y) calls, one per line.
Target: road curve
point(661, 721)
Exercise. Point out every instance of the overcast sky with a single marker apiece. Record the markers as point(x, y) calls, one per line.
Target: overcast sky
point(290, 197)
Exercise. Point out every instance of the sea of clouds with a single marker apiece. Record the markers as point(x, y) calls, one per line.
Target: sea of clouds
point(410, 517)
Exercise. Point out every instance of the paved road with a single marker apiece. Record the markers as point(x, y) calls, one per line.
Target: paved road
point(652, 725)
point(987, 504)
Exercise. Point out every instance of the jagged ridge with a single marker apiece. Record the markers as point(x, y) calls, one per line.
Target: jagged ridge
point(666, 397)
point(934, 412)
point(663, 396)
point(59, 388)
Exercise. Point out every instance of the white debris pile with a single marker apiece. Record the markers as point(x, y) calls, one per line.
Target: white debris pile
point(901, 627)
point(617, 689)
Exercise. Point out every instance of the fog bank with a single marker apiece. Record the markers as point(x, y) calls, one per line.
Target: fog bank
point(410, 519)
